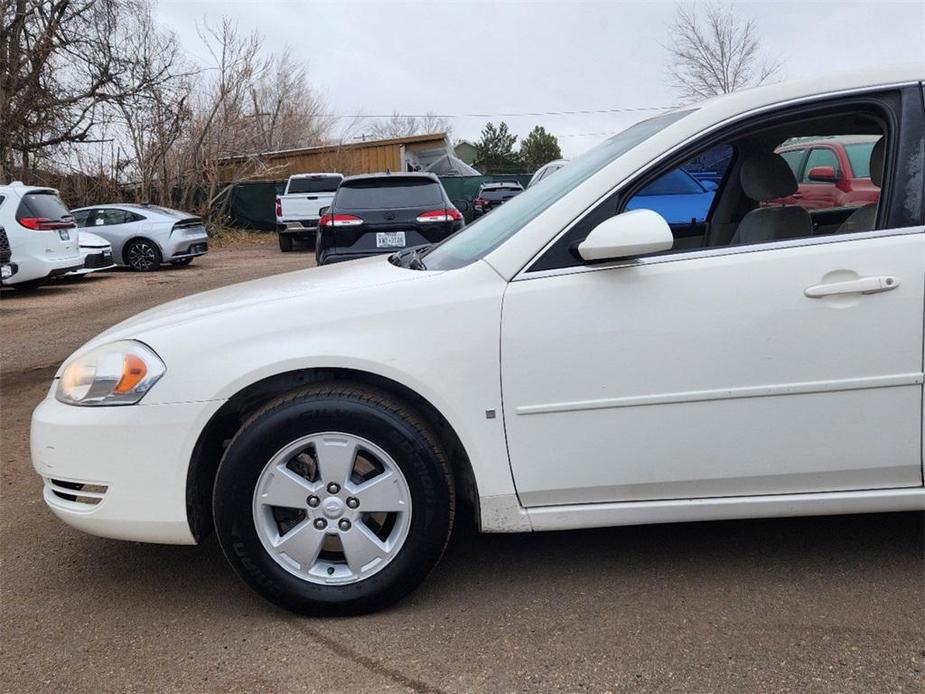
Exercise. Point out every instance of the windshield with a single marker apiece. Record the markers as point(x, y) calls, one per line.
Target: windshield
point(480, 238)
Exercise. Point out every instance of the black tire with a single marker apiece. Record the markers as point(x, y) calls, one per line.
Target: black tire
point(365, 412)
point(181, 261)
point(285, 243)
point(30, 285)
point(143, 256)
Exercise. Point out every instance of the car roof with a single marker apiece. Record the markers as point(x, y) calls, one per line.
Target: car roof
point(150, 209)
point(317, 175)
point(22, 189)
point(386, 176)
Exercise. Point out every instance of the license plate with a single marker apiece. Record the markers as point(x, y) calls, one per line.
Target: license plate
point(6, 272)
point(390, 239)
point(64, 234)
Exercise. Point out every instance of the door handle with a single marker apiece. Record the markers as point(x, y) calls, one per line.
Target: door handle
point(862, 285)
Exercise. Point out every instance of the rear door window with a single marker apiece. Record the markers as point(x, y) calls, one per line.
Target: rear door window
point(322, 184)
point(376, 195)
point(113, 217)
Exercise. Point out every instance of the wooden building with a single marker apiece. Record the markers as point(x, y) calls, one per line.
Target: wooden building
point(414, 153)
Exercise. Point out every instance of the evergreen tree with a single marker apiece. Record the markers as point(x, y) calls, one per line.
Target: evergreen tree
point(538, 148)
point(495, 150)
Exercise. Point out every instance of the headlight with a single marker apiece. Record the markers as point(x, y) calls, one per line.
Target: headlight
point(116, 374)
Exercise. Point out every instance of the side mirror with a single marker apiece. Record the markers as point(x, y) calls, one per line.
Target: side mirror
point(709, 185)
point(627, 235)
point(823, 174)
point(461, 205)
point(322, 211)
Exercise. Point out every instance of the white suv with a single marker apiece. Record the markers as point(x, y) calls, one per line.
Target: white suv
point(41, 232)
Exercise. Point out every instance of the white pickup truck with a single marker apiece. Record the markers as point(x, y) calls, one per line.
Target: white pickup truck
point(297, 209)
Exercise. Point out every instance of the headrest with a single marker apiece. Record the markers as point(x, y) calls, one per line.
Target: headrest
point(876, 162)
point(767, 177)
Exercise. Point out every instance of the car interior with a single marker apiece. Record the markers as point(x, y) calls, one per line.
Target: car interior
point(748, 207)
point(753, 184)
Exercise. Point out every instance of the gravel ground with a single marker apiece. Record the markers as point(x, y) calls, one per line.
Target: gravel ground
point(796, 605)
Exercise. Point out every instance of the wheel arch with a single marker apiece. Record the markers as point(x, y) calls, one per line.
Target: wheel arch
point(215, 436)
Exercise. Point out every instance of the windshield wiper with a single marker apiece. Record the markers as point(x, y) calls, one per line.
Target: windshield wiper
point(415, 262)
point(411, 257)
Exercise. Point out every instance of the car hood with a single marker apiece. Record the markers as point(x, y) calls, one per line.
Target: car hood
point(87, 239)
point(318, 284)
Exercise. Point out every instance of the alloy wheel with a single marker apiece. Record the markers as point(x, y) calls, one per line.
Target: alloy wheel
point(332, 508)
point(143, 256)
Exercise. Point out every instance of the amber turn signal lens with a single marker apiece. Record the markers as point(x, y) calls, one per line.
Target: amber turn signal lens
point(133, 371)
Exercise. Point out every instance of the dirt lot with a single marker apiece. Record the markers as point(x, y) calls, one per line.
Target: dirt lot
point(830, 604)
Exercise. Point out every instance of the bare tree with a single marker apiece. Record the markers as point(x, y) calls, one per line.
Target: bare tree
point(63, 63)
point(405, 126)
point(155, 116)
point(714, 50)
point(246, 103)
point(287, 113)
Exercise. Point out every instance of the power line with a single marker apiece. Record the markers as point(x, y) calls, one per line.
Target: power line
point(525, 114)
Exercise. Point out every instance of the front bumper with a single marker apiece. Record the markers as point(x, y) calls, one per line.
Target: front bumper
point(94, 260)
point(119, 472)
point(298, 228)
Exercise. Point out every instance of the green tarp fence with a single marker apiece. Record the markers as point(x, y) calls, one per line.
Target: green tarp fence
point(253, 205)
point(464, 188)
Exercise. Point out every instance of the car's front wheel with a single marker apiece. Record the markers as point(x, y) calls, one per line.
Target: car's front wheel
point(143, 255)
point(335, 499)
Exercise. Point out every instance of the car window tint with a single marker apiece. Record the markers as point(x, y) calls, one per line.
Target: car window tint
point(111, 217)
point(819, 156)
point(859, 157)
point(499, 193)
point(81, 217)
point(44, 204)
point(321, 184)
point(675, 182)
point(374, 195)
point(684, 195)
point(793, 158)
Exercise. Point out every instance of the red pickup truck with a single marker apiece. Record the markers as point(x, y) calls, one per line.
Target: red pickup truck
point(831, 172)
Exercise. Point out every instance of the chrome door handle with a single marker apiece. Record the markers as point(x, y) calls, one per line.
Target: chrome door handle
point(862, 285)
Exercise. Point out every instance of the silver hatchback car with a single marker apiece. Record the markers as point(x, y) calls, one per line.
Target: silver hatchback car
point(143, 237)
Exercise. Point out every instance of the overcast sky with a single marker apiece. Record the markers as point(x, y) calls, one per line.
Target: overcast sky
point(515, 57)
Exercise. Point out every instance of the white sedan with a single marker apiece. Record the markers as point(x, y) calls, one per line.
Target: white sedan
point(562, 363)
point(96, 253)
